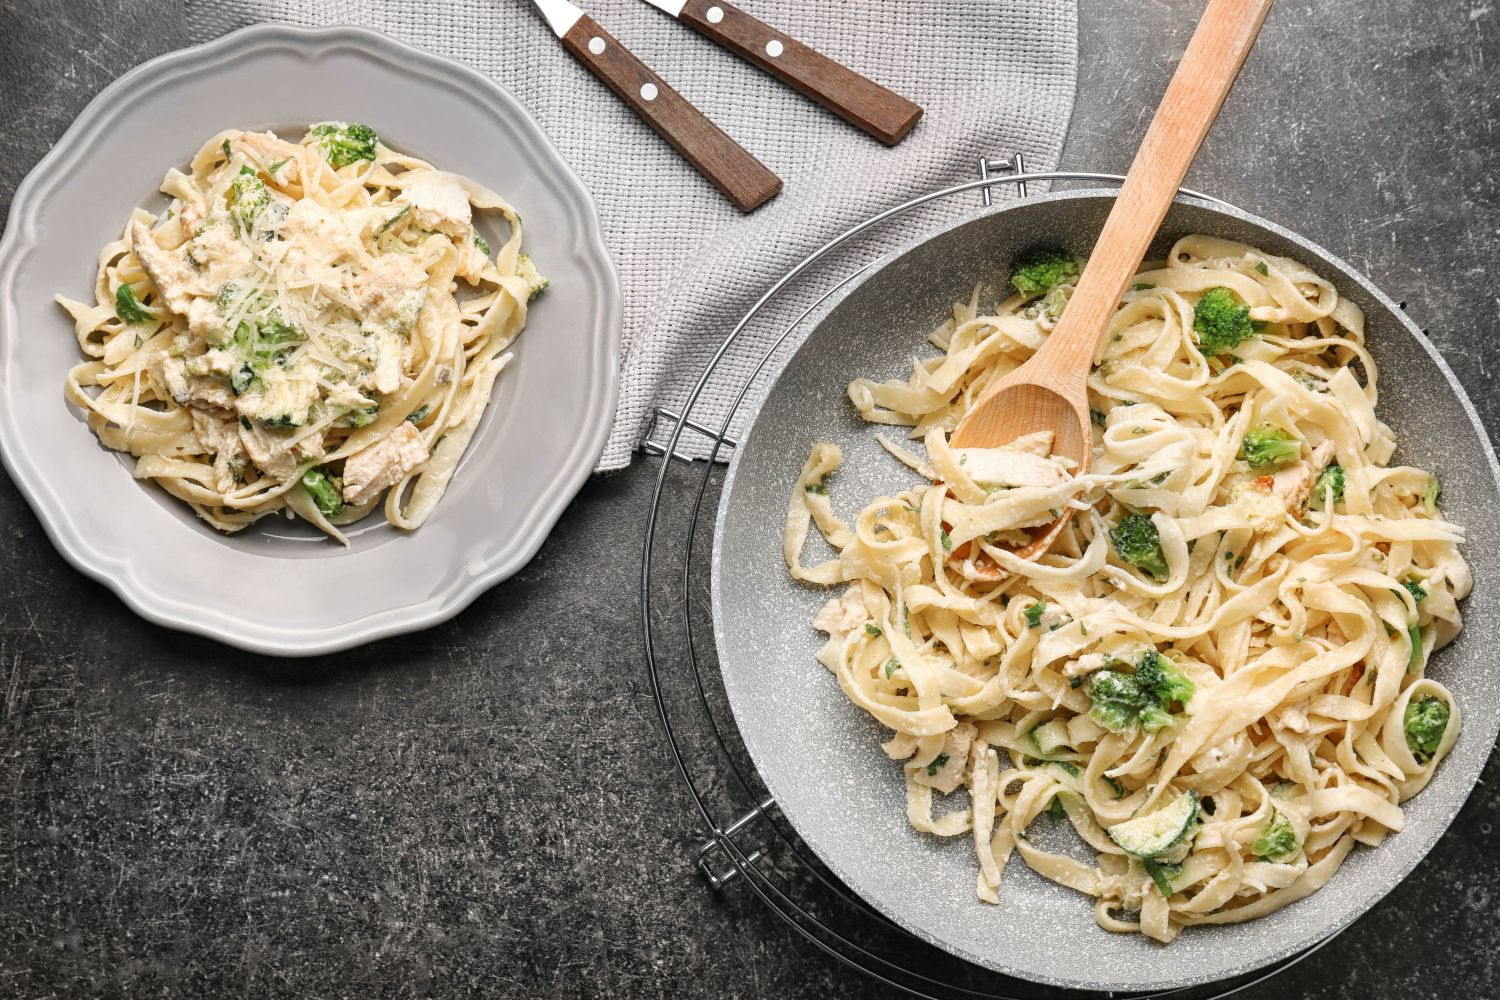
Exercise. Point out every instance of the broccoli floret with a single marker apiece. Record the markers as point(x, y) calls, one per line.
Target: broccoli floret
point(1329, 489)
point(1050, 306)
point(344, 143)
point(128, 309)
point(526, 270)
point(1430, 495)
point(1153, 718)
point(1277, 841)
point(1268, 444)
point(1425, 723)
point(1154, 674)
point(1040, 271)
point(261, 342)
point(1114, 717)
point(1221, 321)
point(1143, 699)
point(1118, 700)
point(1137, 542)
point(247, 196)
point(1055, 301)
point(276, 333)
point(325, 490)
point(1117, 686)
point(1416, 590)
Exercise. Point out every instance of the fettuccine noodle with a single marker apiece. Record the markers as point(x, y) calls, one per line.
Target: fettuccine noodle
point(1221, 697)
point(290, 335)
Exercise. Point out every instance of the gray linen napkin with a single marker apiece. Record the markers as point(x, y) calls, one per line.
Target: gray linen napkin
point(994, 77)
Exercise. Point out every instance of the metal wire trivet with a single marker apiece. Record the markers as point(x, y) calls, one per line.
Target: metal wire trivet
point(745, 840)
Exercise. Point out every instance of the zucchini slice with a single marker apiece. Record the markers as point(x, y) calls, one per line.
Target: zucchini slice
point(1155, 834)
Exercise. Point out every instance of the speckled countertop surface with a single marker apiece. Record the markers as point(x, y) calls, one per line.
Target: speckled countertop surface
point(484, 808)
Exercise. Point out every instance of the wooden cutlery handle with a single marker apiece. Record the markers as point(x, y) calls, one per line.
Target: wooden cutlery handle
point(881, 112)
point(733, 170)
point(1209, 66)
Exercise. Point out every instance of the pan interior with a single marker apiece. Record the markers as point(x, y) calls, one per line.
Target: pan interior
point(818, 754)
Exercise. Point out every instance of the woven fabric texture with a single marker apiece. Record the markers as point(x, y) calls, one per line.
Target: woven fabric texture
point(994, 77)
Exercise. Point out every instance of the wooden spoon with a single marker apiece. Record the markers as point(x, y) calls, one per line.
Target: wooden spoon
point(1050, 391)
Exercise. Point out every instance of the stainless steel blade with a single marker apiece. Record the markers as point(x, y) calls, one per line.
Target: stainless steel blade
point(560, 14)
point(673, 7)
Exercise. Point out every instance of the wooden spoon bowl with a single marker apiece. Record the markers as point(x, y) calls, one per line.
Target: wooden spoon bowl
point(1050, 391)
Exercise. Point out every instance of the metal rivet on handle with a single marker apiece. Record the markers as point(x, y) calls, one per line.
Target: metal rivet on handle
point(596, 45)
point(715, 15)
point(648, 91)
point(773, 48)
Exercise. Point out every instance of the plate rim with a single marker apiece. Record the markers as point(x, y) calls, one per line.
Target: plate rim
point(465, 583)
point(722, 640)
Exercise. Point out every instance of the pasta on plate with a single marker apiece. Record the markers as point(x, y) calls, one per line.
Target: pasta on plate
point(1217, 676)
point(290, 336)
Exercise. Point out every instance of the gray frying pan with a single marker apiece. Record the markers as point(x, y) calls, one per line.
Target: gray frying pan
point(818, 754)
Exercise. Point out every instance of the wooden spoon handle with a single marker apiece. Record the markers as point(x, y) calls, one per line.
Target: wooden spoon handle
point(862, 102)
point(1208, 69)
point(732, 168)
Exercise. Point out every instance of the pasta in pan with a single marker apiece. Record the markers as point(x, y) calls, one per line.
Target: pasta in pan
point(1217, 677)
point(290, 335)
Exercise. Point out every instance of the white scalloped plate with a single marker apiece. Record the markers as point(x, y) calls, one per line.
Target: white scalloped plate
point(279, 587)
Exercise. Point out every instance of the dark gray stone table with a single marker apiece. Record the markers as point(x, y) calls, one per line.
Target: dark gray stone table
point(485, 808)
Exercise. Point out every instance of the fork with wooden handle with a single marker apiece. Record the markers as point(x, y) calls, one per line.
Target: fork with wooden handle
point(862, 102)
point(1050, 391)
point(731, 168)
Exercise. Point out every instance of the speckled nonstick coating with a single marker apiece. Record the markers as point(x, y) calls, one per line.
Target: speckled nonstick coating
point(818, 754)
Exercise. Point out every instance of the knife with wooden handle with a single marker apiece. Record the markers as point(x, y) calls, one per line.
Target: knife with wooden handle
point(862, 102)
point(732, 168)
